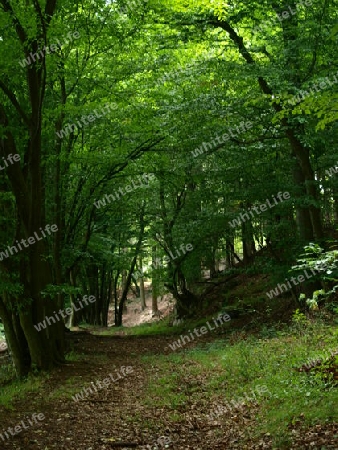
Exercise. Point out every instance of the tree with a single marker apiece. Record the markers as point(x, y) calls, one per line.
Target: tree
point(21, 116)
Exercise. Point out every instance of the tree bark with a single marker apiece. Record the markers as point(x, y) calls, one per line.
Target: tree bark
point(118, 323)
point(154, 283)
point(45, 347)
point(16, 350)
point(142, 290)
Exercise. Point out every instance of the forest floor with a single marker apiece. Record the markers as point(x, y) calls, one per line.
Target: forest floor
point(169, 398)
point(232, 388)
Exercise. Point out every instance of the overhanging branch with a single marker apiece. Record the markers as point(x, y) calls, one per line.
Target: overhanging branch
point(15, 103)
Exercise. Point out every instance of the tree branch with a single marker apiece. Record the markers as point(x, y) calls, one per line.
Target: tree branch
point(15, 174)
point(18, 27)
point(15, 103)
point(238, 40)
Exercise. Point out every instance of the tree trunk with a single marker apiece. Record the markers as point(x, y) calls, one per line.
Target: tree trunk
point(291, 131)
point(116, 307)
point(154, 283)
point(45, 347)
point(17, 351)
point(303, 217)
point(142, 291)
point(248, 242)
point(118, 323)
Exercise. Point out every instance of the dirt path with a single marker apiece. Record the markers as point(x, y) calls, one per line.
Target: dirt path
point(117, 413)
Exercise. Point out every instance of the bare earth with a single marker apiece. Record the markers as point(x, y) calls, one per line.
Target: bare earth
point(118, 416)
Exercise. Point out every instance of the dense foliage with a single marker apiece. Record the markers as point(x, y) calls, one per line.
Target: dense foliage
point(142, 127)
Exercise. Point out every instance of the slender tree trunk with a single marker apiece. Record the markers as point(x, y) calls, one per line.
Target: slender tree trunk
point(16, 350)
point(142, 290)
point(229, 251)
point(116, 303)
point(132, 268)
point(154, 283)
point(303, 217)
point(291, 131)
point(108, 299)
point(248, 242)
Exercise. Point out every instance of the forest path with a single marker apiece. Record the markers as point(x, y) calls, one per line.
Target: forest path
point(123, 412)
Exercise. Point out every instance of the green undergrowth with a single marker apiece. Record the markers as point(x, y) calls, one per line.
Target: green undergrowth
point(18, 389)
point(12, 389)
point(159, 328)
point(226, 370)
point(70, 387)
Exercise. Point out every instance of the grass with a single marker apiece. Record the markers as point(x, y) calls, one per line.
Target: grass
point(229, 369)
point(7, 373)
point(158, 328)
point(67, 390)
point(145, 329)
point(19, 389)
point(12, 389)
point(220, 370)
point(74, 356)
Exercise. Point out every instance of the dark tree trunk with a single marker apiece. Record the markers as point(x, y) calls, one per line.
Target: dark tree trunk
point(229, 251)
point(248, 242)
point(303, 217)
point(291, 131)
point(118, 323)
point(45, 347)
point(18, 350)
